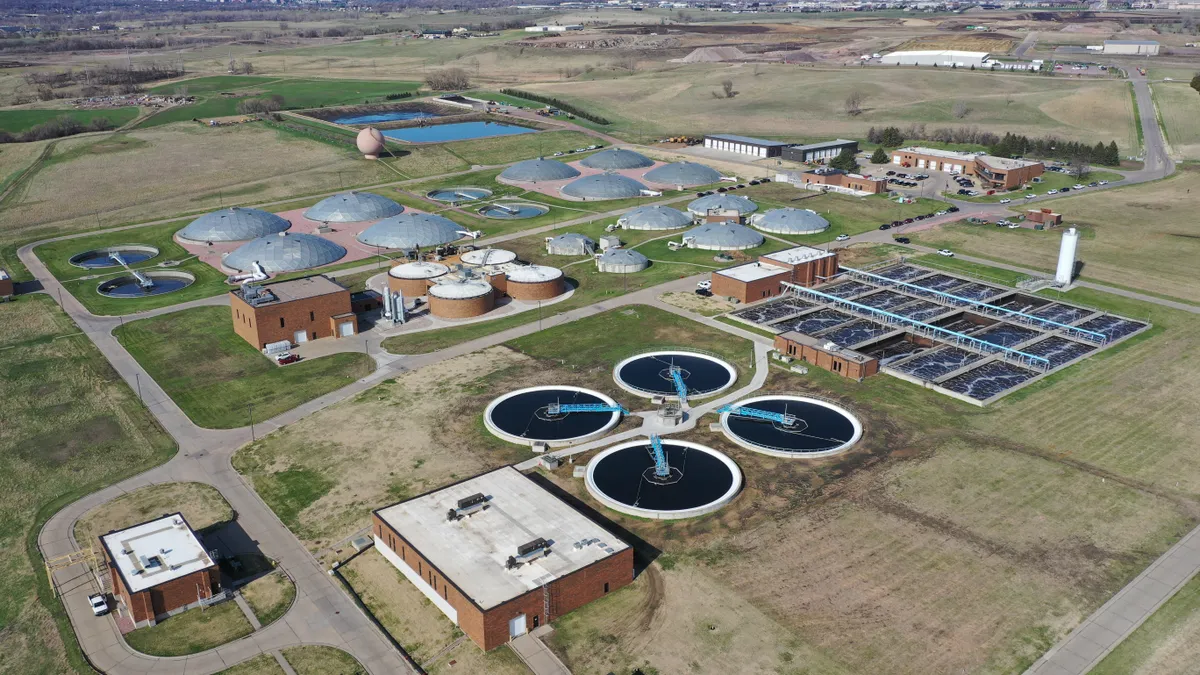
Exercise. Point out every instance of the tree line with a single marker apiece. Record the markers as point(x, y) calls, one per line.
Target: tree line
point(1009, 145)
point(56, 128)
point(556, 103)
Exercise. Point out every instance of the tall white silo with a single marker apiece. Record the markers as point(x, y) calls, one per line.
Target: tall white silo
point(1066, 257)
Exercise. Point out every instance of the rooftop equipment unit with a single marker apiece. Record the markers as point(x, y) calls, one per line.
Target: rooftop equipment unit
point(538, 548)
point(468, 506)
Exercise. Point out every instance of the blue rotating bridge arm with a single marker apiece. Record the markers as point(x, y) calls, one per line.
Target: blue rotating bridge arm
point(680, 387)
point(746, 411)
point(661, 468)
point(557, 408)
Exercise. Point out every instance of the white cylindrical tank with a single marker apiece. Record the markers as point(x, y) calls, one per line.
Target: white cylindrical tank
point(1066, 257)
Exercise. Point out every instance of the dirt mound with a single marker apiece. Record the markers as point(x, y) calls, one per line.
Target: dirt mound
point(713, 55)
point(1099, 28)
point(795, 56)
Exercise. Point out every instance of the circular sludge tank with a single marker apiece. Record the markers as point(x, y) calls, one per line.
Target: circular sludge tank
point(684, 174)
point(284, 252)
point(721, 202)
point(651, 374)
point(570, 243)
point(538, 170)
point(413, 278)
point(487, 256)
point(535, 282)
point(601, 186)
point(458, 195)
point(790, 221)
point(527, 416)
point(617, 159)
point(110, 256)
point(233, 224)
point(409, 231)
point(654, 218)
point(699, 480)
point(723, 237)
point(513, 210)
point(621, 261)
point(461, 299)
point(353, 207)
point(370, 142)
point(150, 283)
point(815, 428)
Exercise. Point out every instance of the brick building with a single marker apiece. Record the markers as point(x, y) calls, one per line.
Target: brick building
point(835, 180)
point(297, 311)
point(499, 555)
point(826, 355)
point(764, 278)
point(997, 173)
point(1043, 216)
point(159, 568)
point(6, 285)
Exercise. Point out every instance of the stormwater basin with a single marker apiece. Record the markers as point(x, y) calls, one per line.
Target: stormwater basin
point(522, 416)
point(820, 428)
point(454, 131)
point(103, 257)
point(129, 286)
point(649, 374)
point(701, 480)
point(379, 117)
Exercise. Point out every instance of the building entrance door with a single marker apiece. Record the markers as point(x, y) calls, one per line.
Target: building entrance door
point(347, 329)
point(516, 626)
point(300, 337)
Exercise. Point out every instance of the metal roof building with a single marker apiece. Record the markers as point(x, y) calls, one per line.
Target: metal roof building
point(936, 57)
point(722, 237)
point(534, 170)
point(1132, 47)
point(614, 159)
point(744, 145)
point(603, 186)
point(233, 224)
point(654, 218)
point(353, 207)
point(790, 221)
point(686, 174)
point(721, 202)
point(285, 252)
point(571, 243)
point(412, 230)
point(622, 261)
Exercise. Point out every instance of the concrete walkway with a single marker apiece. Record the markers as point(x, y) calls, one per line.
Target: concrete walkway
point(536, 655)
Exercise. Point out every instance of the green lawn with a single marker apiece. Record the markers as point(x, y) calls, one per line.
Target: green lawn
point(263, 664)
point(1165, 644)
point(321, 660)
point(193, 631)
point(218, 379)
point(846, 214)
point(506, 149)
point(1051, 180)
point(16, 121)
point(70, 426)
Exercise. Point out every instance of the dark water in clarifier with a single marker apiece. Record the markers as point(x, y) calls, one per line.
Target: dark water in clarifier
point(512, 211)
point(97, 259)
point(524, 415)
point(651, 374)
point(458, 194)
point(819, 429)
point(624, 477)
point(129, 287)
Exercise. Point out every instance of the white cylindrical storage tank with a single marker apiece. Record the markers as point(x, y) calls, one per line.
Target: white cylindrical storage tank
point(461, 299)
point(535, 282)
point(413, 279)
point(487, 256)
point(1066, 257)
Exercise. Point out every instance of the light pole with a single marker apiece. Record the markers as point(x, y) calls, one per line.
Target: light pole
point(250, 408)
point(137, 378)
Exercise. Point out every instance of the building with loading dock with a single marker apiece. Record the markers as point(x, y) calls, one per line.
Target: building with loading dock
point(297, 311)
point(996, 173)
point(499, 555)
point(764, 278)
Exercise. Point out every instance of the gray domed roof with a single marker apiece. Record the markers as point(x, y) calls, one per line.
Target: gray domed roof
point(603, 186)
point(285, 252)
point(353, 207)
point(534, 170)
point(654, 218)
point(570, 243)
point(790, 221)
point(234, 224)
point(617, 158)
point(622, 256)
point(412, 230)
point(687, 174)
point(724, 237)
point(722, 201)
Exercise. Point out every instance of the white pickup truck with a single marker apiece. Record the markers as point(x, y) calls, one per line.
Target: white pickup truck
point(99, 604)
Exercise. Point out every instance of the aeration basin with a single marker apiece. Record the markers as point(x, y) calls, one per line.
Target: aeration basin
point(129, 286)
point(700, 480)
point(649, 374)
point(819, 428)
point(456, 195)
point(512, 210)
point(523, 416)
point(104, 257)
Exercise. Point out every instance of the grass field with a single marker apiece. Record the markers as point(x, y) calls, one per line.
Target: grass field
point(71, 427)
point(269, 596)
point(1166, 644)
point(321, 660)
point(1179, 112)
point(846, 214)
point(215, 376)
point(17, 121)
point(193, 631)
point(263, 664)
point(201, 505)
point(1147, 228)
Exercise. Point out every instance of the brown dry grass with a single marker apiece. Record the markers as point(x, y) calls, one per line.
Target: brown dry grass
point(321, 660)
point(1179, 110)
point(709, 306)
point(967, 42)
point(269, 596)
point(202, 505)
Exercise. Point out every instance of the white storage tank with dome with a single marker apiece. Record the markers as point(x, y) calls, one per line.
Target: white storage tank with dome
point(413, 278)
point(537, 170)
point(461, 299)
point(535, 282)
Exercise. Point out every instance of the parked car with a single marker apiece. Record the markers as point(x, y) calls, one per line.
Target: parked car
point(903, 240)
point(1013, 226)
point(940, 213)
point(921, 217)
point(1104, 182)
point(741, 185)
point(897, 223)
point(1052, 192)
point(721, 189)
point(1092, 184)
point(884, 226)
point(908, 221)
point(704, 292)
point(99, 604)
point(841, 237)
point(1078, 186)
point(953, 209)
point(1030, 195)
point(754, 182)
point(890, 173)
point(706, 284)
point(1065, 190)
point(945, 252)
point(1006, 200)
point(286, 358)
point(764, 180)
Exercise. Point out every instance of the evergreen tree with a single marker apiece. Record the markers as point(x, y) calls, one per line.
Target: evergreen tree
point(845, 161)
point(1113, 157)
point(880, 156)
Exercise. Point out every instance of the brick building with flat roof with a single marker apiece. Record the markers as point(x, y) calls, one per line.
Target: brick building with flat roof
point(994, 173)
point(159, 568)
point(499, 555)
point(297, 311)
point(826, 355)
point(836, 180)
point(764, 278)
point(6, 285)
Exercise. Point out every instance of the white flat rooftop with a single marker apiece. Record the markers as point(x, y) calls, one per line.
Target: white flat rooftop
point(3, 275)
point(797, 255)
point(751, 271)
point(935, 152)
point(1005, 162)
point(155, 552)
point(472, 552)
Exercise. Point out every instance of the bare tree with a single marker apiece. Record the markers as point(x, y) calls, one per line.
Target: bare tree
point(960, 110)
point(854, 103)
point(448, 79)
point(727, 88)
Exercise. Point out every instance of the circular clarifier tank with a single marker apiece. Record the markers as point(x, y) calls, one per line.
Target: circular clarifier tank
point(526, 416)
point(455, 195)
point(698, 480)
point(107, 257)
point(650, 374)
point(814, 428)
point(512, 210)
point(159, 283)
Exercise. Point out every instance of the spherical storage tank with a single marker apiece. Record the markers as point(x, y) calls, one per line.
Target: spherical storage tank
point(654, 218)
point(370, 142)
point(723, 237)
point(353, 207)
point(603, 186)
point(285, 252)
point(687, 174)
point(571, 243)
point(461, 299)
point(413, 279)
point(722, 202)
point(535, 282)
point(622, 261)
point(615, 159)
point(233, 224)
point(408, 231)
point(535, 170)
point(790, 221)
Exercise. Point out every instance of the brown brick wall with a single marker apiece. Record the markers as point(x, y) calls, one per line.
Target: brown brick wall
point(461, 309)
point(747, 291)
point(409, 288)
point(159, 600)
point(542, 290)
point(6, 287)
point(260, 325)
point(808, 273)
point(869, 185)
point(822, 359)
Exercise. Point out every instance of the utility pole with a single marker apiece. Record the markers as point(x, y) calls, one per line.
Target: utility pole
point(250, 408)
